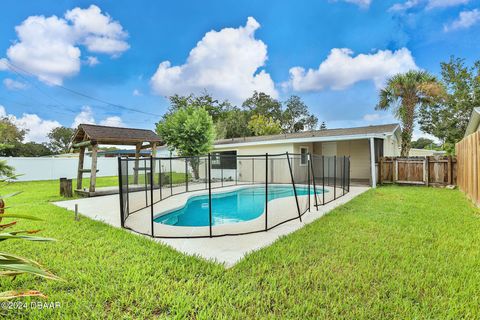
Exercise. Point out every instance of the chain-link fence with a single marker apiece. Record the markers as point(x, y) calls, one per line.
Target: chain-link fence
point(225, 194)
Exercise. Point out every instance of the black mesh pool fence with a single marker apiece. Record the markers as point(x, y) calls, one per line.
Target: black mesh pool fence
point(225, 194)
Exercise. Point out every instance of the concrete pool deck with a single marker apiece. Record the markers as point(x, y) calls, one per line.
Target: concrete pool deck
point(227, 250)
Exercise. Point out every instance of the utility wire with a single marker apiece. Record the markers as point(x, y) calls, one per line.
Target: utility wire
point(13, 67)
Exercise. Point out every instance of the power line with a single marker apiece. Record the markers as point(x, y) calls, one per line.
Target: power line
point(12, 67)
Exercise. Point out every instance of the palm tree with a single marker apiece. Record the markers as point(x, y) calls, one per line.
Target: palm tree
point(403, 93)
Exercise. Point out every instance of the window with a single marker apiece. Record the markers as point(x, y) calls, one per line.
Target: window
point(303, 156)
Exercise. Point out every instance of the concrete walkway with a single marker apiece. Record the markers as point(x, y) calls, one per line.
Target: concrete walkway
point(227, 250)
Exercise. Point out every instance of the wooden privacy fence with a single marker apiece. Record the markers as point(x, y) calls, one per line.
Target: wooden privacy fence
point(468, 155)
point(431, 170)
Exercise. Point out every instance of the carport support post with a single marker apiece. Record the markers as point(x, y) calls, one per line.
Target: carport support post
point(323, 180)
point(93, 173)
point(120, 189)
point(334, 177)
point(372, 163)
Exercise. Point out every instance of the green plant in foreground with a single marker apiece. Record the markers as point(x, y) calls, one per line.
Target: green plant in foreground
point(12, 265)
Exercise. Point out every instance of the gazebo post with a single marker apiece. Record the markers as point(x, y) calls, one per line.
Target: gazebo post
point(138, 148)
point(93, 172)
point(81, 157)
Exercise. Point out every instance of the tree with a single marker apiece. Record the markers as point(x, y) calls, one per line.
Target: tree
point(189, 131)
point(423, 143)
point(296, 117)
point(233, 124)
point(60, 139)
point(405, 92)
point(6, 171)
point(323, 126)
point(260, 125)
point(31, 149)
point(262, 104)
point(214, 107)
point(10, 136)
point(448, 121)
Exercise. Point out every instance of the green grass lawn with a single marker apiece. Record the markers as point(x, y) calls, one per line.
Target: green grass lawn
point(177, 178)
point(393, 252)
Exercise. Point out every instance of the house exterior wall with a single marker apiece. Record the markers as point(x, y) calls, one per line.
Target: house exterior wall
point(391, 146)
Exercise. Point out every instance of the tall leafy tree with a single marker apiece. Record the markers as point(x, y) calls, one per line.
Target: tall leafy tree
point(189, 131)
point(404, 93)
point(215, 108)
point(296, 117)
point(262, 125)
point(262, 104)
point(448, 121)
point(424, 143)
point(233, 124)
point(10, 136)
point(60, 139)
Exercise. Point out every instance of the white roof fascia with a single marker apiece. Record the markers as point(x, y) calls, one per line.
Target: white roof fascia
point(302, 140)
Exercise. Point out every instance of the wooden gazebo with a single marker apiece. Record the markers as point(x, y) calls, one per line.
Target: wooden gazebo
point(89, 135)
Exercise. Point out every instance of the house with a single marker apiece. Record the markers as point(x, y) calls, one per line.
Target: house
point(474, 123)
point(364, 146)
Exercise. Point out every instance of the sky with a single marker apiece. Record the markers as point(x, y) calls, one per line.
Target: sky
point(114, 62)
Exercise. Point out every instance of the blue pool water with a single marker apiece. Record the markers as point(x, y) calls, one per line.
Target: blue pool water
point(229, 207)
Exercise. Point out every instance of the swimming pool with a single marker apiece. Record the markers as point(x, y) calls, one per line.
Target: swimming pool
point(228, 207)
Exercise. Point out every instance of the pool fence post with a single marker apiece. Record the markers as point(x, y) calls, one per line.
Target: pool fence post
point(145, 181)
point(151, 194)
point(294, 189)
point(120, 189)
point(323, 180)
point(206, 173)
point(160, 177)
point(221, 169)
point(170, 176)
point(334, 177)
point(209, 195)
point(186, 174)
point(266, 191)
point(308, 177)
point(343, 176)
point(314, 184)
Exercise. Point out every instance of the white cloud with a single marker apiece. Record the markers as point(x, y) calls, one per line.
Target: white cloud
point(428, 4)
point(341, 69)
point(11, 84)
point(372, 117)
point(3, 64)
point(97, 31)
point(3, 112)
point(114, 121)
point(465, 20)
point(36, 127)
point(226, 63)
point(86, 116)
point(48, 47)
point(445, 3)
point(136, 92)
point(405, 5)
point(360, 3)
point(92, 61)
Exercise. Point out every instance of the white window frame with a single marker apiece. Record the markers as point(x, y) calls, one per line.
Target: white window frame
point(306, 156)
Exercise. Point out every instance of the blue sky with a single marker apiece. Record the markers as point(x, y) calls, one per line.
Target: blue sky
point(334, 54)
